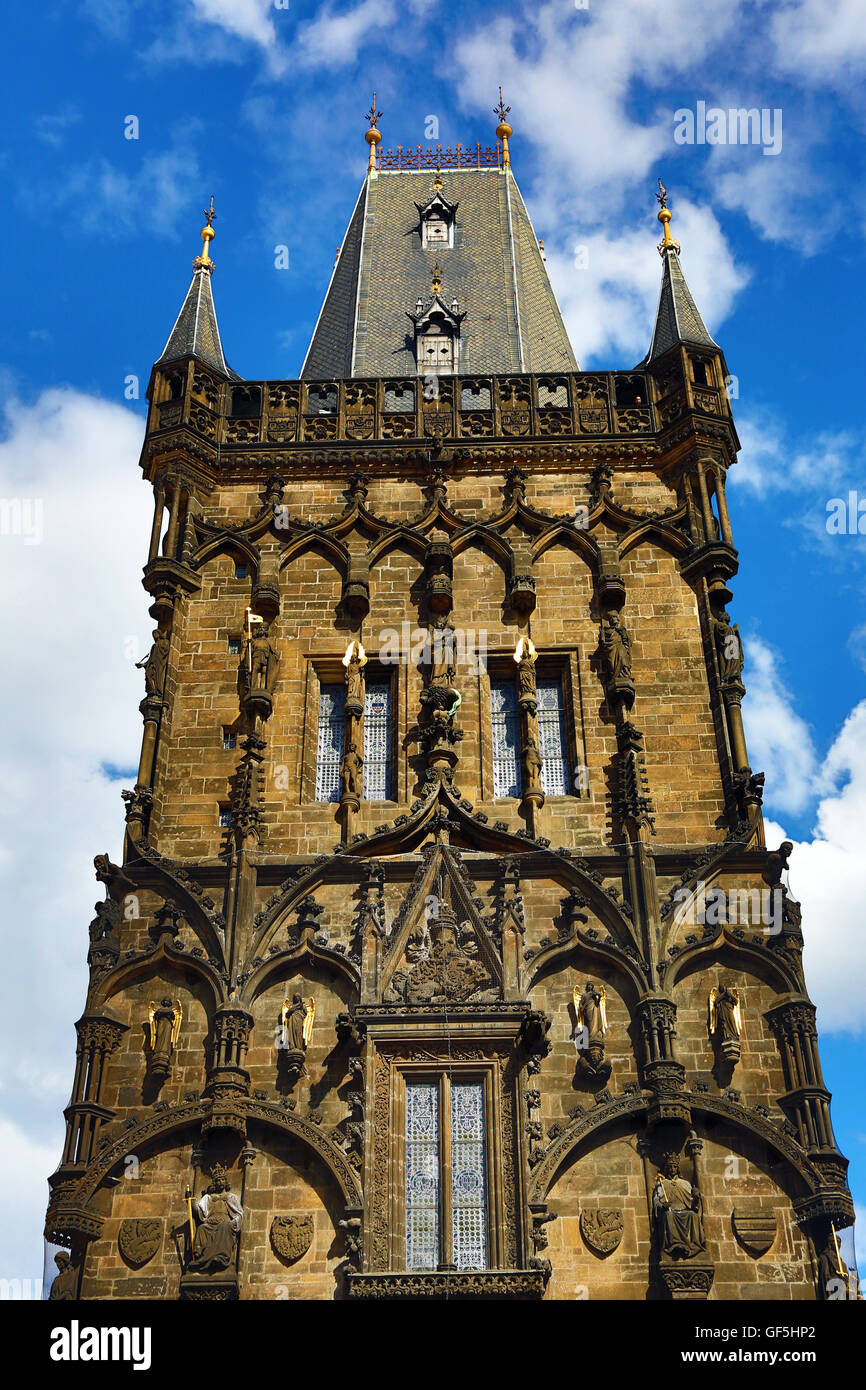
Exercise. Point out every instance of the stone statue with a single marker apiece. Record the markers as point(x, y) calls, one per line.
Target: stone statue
point(163, 1026)
point(351, 772)
point(532, 763)
point(832, 1280)
point(442, 656)
point(64, 1282)
point(526, 687)
point(155, 664)
point(725, 1021)
point(729, 648)
point(355, 677)
point(220, 1218)
point(678, 1212)
point(615, 648)
point(106, 921)
point(591, 1013)
point(261, 661)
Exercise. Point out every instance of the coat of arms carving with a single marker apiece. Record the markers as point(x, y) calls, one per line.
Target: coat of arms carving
point(601, 1229)
point(292, 1236)
point(359, 424)
point(754, 1229)
point(515, 421)
point(283, 429)
point(138, 1239)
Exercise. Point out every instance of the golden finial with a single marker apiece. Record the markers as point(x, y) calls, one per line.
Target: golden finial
point(337, 254)
point(503, 130)
point(437, 182)
point(667, 242)
point(204, 262)
point(372, 136)
point(436, 282)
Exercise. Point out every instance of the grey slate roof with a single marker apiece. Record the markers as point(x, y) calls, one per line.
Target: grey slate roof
point(196, 332)
point(677, 318)
point(494, 269)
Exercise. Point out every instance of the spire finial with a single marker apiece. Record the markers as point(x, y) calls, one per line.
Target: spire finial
point(436, 282)
point(503, 130)
point(204, 262)
point(372, 136)
point(437, 182)
point(667, 243)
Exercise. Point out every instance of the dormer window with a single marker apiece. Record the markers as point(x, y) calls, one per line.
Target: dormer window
point(437, 331)
point(436, 354)
point(436, 219)
point(435, 231)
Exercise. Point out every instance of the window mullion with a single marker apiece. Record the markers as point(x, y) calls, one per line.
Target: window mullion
point(446, 1236)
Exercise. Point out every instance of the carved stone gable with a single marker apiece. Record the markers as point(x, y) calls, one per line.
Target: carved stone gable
point(441, 948)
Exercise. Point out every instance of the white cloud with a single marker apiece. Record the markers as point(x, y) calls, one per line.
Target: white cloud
point(828, 876)
point(335, 38)
point(821, 41)
point(245, 19)
point(770, 193)
point(769, 462)
point(53, 126)
point(857, 645)
point(780, 742)
point(69, 703)
point(609, 305)
point(152, 192)
point(24, 1167)
point(572, 79)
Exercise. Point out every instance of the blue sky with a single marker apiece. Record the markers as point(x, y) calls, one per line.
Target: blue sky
point(262, 106)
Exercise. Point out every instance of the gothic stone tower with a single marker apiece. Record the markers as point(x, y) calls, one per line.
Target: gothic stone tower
point(446, 957)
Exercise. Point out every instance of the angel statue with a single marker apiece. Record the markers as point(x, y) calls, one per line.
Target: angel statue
point(725, 1021)
point(296, 1029)
point(590, 1012)
point(163, 1028)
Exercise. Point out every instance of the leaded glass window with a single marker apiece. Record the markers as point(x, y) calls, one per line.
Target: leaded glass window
point(468, 1179)
point(506, 738)
point(551, 737)
point(422, 1175)
point(329, 752)
point(377, 741)
point(446, 1175)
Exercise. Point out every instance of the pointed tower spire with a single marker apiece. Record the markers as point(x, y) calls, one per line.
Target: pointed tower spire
point(196, 332)
point(677, 318)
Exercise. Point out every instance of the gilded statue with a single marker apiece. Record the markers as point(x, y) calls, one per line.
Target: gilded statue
point(725, 1020)
point(163, 1028)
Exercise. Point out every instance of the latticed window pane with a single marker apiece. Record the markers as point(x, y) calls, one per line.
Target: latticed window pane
point(377, 741)
point(551, 737)
point(422, 1175)
point(506, 761)
point(468, 1181)
point(329, 753)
